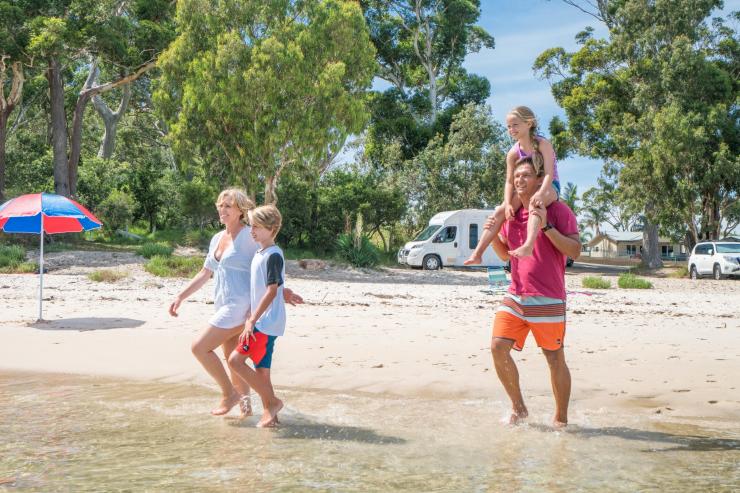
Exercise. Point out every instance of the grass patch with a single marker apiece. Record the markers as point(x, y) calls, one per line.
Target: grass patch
point(107, 275)
point(150, 250)
point(174, 266)
point(11, 255)
point(631, 281)
point(596, 282)
point(680, 273)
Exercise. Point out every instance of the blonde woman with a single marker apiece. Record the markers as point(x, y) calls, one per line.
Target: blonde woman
point(228, 261)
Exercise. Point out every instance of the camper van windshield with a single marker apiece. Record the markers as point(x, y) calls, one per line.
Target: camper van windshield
point(427, 233)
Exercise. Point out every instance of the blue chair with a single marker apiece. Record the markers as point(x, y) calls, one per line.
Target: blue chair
point(498, 282)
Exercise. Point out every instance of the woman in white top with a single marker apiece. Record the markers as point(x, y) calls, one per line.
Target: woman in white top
point(229, 261)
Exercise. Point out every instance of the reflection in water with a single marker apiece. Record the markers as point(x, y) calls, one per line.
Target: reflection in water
point(84, 434)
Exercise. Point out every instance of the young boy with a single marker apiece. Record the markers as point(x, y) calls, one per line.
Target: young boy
point(267, 320)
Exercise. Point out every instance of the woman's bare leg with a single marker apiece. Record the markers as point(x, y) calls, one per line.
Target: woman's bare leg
point(203, 349)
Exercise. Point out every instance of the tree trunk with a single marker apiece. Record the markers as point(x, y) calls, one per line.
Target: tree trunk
point(7, 105)
point(651, 246)
point(710, 217)
point(110, 120)
point(58, 128)
point(270, 185)
point(3, 134)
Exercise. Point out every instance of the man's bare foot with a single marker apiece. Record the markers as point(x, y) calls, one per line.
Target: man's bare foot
point(518, 417)
point(226, 404)
point(245, 407)
point(522, 251)
point(270, 415)
point(473, 260)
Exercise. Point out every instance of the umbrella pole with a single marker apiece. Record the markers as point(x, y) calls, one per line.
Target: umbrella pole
point(41, 267)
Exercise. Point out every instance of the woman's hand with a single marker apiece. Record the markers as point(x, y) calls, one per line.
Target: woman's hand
point(174, 306)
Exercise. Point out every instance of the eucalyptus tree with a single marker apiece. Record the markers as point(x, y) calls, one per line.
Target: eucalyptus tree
point(265, 85)
point(74, 35)
point(659, 97)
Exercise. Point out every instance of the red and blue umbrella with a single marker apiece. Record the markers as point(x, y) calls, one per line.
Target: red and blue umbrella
point(40, 213)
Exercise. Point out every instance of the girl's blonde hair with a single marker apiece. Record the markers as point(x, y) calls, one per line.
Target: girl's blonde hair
point(238, 198)
point(527, 115)
point(267, 216)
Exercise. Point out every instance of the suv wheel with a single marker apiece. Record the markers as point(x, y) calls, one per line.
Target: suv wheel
point(693, 274)
point(717, 272)
point(431, 262)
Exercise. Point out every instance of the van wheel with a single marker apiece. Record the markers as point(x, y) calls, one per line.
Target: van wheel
point(717, 272)
point(431, 262)
point(693, 274)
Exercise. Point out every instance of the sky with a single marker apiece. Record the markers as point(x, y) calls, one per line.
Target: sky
point(522, 30)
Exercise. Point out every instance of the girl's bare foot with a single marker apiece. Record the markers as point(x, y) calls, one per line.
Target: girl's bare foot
point(226, 404)
point(522, 251)
point(473, 260)
point(270, 415)
point(245, 407)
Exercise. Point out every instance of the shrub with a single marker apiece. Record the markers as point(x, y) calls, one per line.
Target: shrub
point(174, 266)
point(149, 250)
point(11, 255)
point(107, 275)
point(631, 281)
point(359, 253)
point(26, 268)
point(681, 272)
point(116, 211)
point(197, 238)
point(597, 282)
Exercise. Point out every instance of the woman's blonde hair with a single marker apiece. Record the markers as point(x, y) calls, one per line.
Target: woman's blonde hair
point(238, 198)
point(527, 115)
point(267, 216)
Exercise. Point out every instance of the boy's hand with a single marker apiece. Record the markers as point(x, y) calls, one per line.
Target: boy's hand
point(291, 297)
point(247, 333)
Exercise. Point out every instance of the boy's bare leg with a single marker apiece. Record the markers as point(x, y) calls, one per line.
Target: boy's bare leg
point(487, 237)
point(203, 349)
point(509, 376)
point(534, 224)
point(270, 403)
point(560, 380)
point(245, 403)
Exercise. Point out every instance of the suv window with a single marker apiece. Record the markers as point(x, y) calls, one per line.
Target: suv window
point(702, 249)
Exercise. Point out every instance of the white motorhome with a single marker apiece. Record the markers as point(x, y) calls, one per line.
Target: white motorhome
point(448, 241)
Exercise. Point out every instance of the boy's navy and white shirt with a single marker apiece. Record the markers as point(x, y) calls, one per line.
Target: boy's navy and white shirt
point(268, 267)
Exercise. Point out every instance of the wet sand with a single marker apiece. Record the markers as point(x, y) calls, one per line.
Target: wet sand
point(669, 351)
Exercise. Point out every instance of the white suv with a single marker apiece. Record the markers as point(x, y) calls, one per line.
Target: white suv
point(718, 258)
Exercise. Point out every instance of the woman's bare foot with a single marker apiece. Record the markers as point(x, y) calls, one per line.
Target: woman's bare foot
point(522, 251)
point(270, 415)
point(226, 404)
point(245, 406)
point(559, 423)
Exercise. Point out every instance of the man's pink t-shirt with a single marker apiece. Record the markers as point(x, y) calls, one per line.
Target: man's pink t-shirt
point(542, 273)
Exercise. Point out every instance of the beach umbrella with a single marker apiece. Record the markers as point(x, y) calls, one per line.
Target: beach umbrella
point(40, 213)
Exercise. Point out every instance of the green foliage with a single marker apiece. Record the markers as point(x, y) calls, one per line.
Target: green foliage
point(247, 87)
point(174, 266)
point(149, 250)
point(107, 275)
point(11, 255)
point(116, 211)
point(681, 272)
point(197, 201)
point(357, 250)
point(631, 281)
point(98, 178)
point(596, 282)
point(198, 238)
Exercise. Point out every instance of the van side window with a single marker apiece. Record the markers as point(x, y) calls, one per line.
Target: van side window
point(448, 234)
point(473, 236)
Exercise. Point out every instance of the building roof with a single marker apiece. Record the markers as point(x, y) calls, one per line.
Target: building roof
point(623, 237)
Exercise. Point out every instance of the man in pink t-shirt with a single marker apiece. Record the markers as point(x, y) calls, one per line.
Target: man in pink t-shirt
point(536, 299)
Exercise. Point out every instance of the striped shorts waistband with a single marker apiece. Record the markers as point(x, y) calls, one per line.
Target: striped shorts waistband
point(534, 308)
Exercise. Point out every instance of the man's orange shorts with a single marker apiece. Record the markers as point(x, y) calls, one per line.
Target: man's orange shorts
point(544, 317)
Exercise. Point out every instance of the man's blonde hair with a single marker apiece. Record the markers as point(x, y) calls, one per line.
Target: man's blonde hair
point(238, 198)
point(267, 216)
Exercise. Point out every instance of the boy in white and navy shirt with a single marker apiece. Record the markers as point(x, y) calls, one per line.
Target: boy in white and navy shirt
point(267, 320)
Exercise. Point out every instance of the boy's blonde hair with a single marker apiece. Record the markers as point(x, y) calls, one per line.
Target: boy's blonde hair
point(267, 216)
point(238, 198)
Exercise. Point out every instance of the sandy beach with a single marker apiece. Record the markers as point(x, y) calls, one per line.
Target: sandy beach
point(671, 350)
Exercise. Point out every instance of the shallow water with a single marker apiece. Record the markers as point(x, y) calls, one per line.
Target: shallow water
point(71, 433)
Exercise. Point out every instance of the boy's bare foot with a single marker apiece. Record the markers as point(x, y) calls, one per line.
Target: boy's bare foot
point(226, 404)
point(517, 417)
point(245, 407)
point(473, 260)
point(522, 251)
point(270, 415)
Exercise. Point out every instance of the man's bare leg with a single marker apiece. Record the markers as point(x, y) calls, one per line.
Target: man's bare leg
point(508, 374)
point(245, 402)
point(560, 380)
